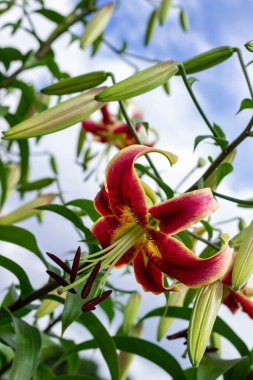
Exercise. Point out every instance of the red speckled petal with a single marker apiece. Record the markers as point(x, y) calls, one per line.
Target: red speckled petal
point(106, 116)
point(101, 203)
point(126, 195)
point(177, 261)
point(91, 126)
point(180, 212)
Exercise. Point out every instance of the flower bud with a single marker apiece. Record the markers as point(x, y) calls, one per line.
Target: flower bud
point(164, 11)
point(184, 20)
point(13, 176)
point(27, 210)
point(249, 46)
point(54, 119)
point(243, 266)
point(201, 162)
point(131, 312)
point(96, 25)
point(204, 313)
point(76, 84)
point(139, 83)
point(208, 59)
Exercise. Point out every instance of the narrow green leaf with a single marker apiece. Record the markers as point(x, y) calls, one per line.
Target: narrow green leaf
point(87, 206)
point(72, 310)
point(27, 351)
point(73, 377)
point(24, 159)
point(66, 213)
point(151, 27)
point(18, 271)
point(104, 341)
point(80, 141)
point(23, 238)
point(36, 185)
point(3, 181)
point(212, 366)
point(51, 15)
point(222, 171)
point(184, 21)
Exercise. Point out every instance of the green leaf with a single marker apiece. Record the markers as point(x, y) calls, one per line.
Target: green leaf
point(219, 140)
point(80, 141)
point(104, 342)
point(192, 80)
point(87, 206)
point(73, 377)
point(245, 104)
point(66, 213)
point(53, 165)
point(36, 185)
point(220, 326)
point(28, 347)
point(18, 271)
point(51, 15)
point(151, 352)
point(72, 310)
point(222, 171)
point(184, 22)
point(153, 19)
point(3, 181)
point(24, 159)
point(23, 238)
point(212, 366)
point(9, 54)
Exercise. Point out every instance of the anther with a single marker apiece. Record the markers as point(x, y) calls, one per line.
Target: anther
point(75, 265)
point(59, 262)
point(61, 281)
point(91, 305)
point(91, 279)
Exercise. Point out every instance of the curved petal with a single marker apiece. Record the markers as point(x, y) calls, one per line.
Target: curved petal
point(106, 116)
point(95, 128)
point(124, 189)
point(245, 302)
point(229, 301)
point(178, 262)
point(147, 274)
point(182, 211)
point(101, 202)
point(107, 230)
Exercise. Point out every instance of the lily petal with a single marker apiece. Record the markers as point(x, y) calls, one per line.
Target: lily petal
point(125, 192)
point(147, 274)
point(245, 302)
point(177, 261)
point(101, 202)
point(106, 116)
point(182, 211)
point(108, 229)
point(91, 126)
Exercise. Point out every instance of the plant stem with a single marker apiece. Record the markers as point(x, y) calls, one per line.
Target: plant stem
point(245, 133)
point(235, 200)
point(194, 99)
point(207, 242)
point(239, 53)
point(185, 177)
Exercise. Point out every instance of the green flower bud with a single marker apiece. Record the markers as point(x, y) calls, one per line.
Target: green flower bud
point(131, 312)
point(208, 59)
point(76, 84)
point(204, 313)
point(27, 210)
point(201, 162)
point(184, 20)
point(139, 83)
point(249, 46)
point(96, 25)
point(47, 306)
point(13, 176)
point(243, 266)
point(54, 119)
point(164, 11)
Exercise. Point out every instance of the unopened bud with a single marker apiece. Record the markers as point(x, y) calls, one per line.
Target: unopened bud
point(249, 46)
point(208, 59)
point(164, 11)
point(139, 83)
point(201, 162)
point(204, 313)
point(131, 312)
point(76, 84)
point(184, 20)
point(243, 266)
point(96, 25)
point(56, 118)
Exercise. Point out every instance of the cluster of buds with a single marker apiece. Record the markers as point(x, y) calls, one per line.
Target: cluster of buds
point(73, 272)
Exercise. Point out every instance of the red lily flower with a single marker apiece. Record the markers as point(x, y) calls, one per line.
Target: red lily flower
point(130, 231)
point(236, 300)
point(109, 130)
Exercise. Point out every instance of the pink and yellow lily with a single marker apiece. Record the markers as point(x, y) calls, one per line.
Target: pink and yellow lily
point(109, 130)
point(132, 230)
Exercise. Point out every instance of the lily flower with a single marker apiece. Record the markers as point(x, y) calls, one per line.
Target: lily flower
point(130, 230)
point(109, 130)
point(239, 300)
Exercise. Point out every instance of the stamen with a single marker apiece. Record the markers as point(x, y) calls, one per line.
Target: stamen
point(59, 262)
point(61, 281)
point(75, 265)
point(91, 305)
point(90, 281)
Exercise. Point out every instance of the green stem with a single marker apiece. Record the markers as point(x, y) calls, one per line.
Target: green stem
point(194, 99)
point(231, 199)
point(207, 242)
point(245, 133)
point(133, 130)
point(186, 177)
point(243, 66)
